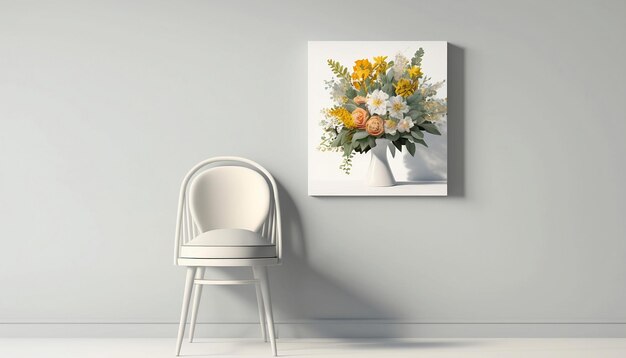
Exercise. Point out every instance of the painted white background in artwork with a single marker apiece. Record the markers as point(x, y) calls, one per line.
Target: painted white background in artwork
point(428, 165)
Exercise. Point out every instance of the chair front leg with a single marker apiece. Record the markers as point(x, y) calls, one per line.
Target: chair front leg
point(191, 272)
point(197, 293)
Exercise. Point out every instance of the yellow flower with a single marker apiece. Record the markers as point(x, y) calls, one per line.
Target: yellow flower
point(380, 60)
point(380, 65)
point(343, 115)
point(405, 88)
point(362, 69)
point(415, 72)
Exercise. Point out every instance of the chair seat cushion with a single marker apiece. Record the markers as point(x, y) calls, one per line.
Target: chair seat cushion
point(228, 244)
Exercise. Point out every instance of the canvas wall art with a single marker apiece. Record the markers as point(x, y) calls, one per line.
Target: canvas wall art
point(377, 118)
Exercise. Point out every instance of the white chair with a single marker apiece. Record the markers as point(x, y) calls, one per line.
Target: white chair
point(228, 215)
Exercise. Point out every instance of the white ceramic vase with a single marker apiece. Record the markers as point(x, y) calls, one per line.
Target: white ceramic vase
point(379, 173)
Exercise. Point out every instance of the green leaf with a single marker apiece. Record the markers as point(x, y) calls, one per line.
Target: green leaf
point(347, 149)
point(351, 93)
point(371, 141)
point(414, 114)
point(430, 128)
point(421, 142)
point(359, 135)
point(416, 105)
point(339, 70)
point(398, 145)
point(349, 106)
point(417, 134)
point(338, 139)
point(392, 149)
point(417, 58)
point(390, 75)
point(413, 99)
point(410, 146)
point(388, 89)
point(347, 138)
point(393, 137)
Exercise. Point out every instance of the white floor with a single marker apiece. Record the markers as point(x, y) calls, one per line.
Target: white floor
point(423, 348)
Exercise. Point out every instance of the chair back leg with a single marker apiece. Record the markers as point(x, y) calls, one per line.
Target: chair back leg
point(261, 274)
point(259, 301)
point(191, 272)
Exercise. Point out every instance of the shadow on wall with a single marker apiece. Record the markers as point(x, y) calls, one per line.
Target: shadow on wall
point(456, 121)
point(429, 164)
point(303, 293)
point(444, 156)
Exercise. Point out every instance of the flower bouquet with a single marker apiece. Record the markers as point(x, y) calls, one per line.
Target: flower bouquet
point(382, 103)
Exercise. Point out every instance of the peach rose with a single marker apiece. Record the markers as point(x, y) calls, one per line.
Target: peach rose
point(360, 116)
point(375, 126)
point(360, 100)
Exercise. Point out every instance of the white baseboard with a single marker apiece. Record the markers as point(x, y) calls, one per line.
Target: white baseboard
point(320, 329)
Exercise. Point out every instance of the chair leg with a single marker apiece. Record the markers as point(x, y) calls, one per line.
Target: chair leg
point(261, 273)
point(191, 272)
point(259, 301)
point(197, 293)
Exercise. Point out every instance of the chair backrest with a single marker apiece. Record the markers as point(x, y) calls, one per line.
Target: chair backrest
point(228, 193)
point(229, 197)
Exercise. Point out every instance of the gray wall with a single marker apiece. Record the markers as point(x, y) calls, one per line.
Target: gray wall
point(105, 105)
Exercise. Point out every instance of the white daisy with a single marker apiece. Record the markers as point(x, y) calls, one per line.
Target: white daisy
point(377, 102)
point(397, 107)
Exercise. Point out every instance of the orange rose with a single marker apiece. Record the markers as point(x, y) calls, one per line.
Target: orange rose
point(360, 100)
point(360, 116)
point(375, 126)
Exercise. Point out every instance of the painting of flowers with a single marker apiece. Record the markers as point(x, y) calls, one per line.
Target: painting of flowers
point(377, 118)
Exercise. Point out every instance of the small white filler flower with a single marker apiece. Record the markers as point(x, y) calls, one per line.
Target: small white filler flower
point(391, 126)
point(405, 125)
point(399, 65)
